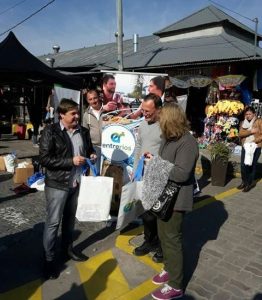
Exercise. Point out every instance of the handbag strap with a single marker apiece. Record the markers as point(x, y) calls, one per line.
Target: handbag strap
point(91, 166)
point(139, 169)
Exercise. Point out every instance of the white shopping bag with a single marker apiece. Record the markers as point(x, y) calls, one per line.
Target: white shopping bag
point(130, 203)
point(250, 149)
point(94, 200)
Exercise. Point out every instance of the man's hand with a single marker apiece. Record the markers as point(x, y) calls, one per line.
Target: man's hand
point(110, 106)
point(79, 160)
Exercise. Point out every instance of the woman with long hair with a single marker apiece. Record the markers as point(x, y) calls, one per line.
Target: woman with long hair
point(180, 148)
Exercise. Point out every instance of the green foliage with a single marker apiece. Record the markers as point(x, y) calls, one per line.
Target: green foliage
point(219, 151)
point(138, 88)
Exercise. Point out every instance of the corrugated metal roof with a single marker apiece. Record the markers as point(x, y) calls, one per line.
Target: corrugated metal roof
point(219, 47)
point(152, 53)
point(95, 55)
point(205, 16)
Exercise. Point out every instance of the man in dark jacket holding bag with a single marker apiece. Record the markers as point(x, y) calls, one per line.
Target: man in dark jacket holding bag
point(64, 147)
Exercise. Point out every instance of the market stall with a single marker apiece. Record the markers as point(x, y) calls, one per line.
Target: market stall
point(223, 111)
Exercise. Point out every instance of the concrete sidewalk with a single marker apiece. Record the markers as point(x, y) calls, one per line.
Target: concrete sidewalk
point(223, 248)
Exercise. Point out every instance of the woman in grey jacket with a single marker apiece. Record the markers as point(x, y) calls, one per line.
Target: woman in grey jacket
point(180, 148)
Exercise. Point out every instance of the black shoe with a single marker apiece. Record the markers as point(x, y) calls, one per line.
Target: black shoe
point(144, 249)
point(241, 186)
point(248, 187)
point(158, 256)
point(50, 270)
point(72, 254)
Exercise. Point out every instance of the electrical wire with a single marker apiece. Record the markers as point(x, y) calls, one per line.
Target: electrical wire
point(7, 9)
point(36, 12)
point(253, 20)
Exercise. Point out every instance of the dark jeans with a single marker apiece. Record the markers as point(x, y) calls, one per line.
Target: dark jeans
point(61, 206)
point(170, 234)
point(248, 173)
point(150, 228)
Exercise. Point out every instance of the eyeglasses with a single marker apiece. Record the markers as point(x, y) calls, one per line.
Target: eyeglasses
point(146, 112)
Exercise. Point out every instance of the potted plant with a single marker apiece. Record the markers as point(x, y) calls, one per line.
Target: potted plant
point(220, 154)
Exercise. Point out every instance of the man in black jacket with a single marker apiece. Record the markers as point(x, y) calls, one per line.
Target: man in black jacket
point(64, 147)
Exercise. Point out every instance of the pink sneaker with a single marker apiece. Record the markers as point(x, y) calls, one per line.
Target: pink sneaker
point(167, 293)
point(161, 278)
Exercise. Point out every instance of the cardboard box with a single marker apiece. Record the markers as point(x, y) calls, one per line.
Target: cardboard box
point(21, 174)
point(2, 163)
point(23, 160)
point(115, 171)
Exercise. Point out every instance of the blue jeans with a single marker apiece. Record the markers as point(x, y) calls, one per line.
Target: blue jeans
point(248, 173)
point(61, 206)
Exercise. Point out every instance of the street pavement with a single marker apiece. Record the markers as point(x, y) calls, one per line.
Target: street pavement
point(223, 247)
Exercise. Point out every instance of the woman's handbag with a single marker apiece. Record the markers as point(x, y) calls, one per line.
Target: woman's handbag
point(163, 207)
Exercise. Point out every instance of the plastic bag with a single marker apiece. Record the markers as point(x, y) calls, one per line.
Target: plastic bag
point(35, 177)
point(130, 204)
point(95, 195)
point(10, 161)
point(39, 184)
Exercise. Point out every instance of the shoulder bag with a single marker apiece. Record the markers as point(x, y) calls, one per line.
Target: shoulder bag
point(163, 207)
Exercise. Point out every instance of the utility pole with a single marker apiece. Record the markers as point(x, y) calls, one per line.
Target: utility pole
point(255, 43)
point(119, 34)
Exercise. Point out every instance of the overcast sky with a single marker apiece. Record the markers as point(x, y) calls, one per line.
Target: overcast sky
point(74, 24)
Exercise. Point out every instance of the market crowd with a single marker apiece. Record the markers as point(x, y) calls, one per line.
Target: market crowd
point(163, 136)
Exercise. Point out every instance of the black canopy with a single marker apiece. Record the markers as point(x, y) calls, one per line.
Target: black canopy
point(19, 65)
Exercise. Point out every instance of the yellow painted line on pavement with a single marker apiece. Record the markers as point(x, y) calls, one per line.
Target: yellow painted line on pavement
point(102, 278)
point(123, 243)
point(219, 197)
point(29, 291)
point(140, 291)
